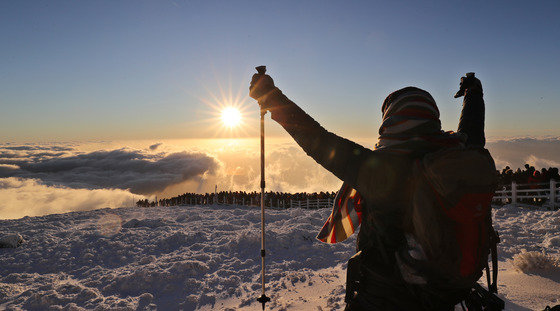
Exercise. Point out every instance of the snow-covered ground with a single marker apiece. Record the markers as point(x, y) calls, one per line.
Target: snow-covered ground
point(171, 258)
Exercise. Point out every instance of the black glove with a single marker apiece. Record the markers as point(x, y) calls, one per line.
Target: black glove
point(261, 86)
point(468, 82)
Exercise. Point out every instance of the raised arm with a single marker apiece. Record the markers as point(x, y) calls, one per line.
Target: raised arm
point(471, 122)
point(365, 170)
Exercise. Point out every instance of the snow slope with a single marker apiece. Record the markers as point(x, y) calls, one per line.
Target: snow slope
point(171, 258)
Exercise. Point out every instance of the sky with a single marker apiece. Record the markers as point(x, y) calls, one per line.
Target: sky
point(106, 102)
point(75, 70)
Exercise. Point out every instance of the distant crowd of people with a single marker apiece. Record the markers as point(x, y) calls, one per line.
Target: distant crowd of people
point(528, 180)
point(527, 176)
point(277, 199)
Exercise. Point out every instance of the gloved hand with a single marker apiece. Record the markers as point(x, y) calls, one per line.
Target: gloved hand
point(261, 85)
point(468, 82)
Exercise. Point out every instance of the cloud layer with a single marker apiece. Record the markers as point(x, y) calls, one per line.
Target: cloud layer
point(515, 152)
point(134, 170)
point(29, 197)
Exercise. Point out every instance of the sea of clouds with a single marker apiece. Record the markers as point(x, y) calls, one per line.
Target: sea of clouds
point(40, 179)
point(515, 152)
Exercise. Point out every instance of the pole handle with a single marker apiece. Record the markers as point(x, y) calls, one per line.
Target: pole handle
point(261, 69)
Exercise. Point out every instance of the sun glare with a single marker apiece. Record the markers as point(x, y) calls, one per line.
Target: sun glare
point(231, 116)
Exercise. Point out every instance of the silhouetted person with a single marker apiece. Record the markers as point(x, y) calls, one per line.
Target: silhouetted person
point(410, 129)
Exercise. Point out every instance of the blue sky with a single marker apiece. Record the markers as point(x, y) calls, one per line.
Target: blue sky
point(147, 69)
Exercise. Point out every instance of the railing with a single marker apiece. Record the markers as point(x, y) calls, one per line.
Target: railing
point(312, 203)
point(547, 193)
point(516, 193)
point(269, 202)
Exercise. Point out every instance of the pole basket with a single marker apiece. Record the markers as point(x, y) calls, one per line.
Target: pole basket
point(263, 299)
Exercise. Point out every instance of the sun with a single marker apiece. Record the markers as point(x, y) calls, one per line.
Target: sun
point(231, 117)
point(227, 114)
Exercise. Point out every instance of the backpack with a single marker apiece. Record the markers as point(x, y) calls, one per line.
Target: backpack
point(449, 223)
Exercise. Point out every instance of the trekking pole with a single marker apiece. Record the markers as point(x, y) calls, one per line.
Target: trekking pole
point(263, 298)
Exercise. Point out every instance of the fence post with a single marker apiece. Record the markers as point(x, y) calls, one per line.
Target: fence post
point(307, 202)
point(513, 193)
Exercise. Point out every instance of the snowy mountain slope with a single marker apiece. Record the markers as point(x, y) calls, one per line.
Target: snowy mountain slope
point(171, 258)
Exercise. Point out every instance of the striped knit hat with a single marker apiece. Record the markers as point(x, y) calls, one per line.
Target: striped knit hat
point(411, 124)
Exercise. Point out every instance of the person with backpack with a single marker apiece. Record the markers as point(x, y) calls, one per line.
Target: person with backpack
point(392, 192)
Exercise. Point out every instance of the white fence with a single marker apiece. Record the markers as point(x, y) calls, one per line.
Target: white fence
point(281, 203)
point(269, 202)
point(549, 193)
point(312, 203)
